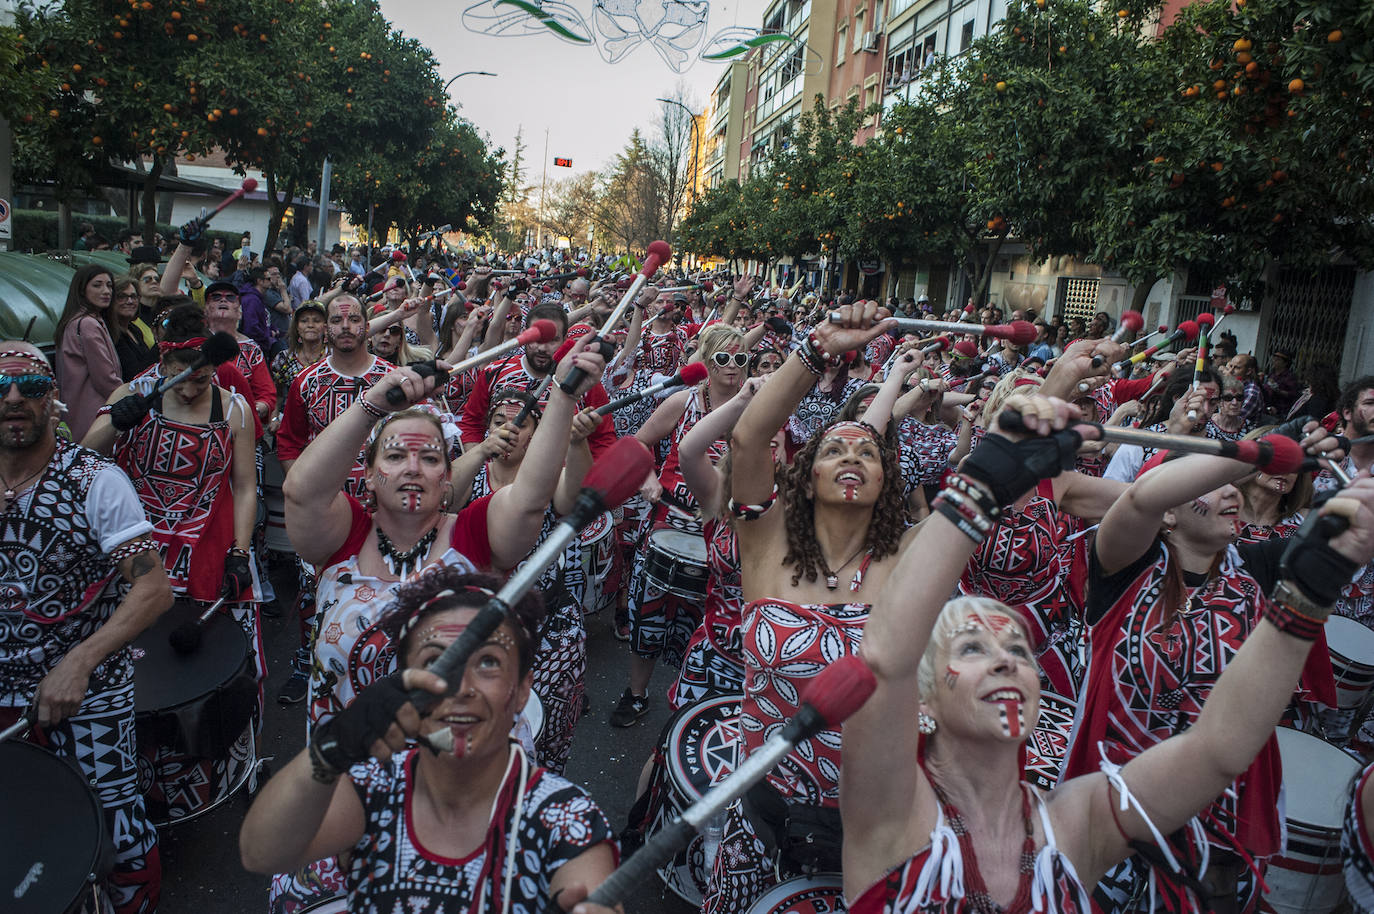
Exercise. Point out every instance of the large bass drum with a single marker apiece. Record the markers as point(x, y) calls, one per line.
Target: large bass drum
point(57, 848)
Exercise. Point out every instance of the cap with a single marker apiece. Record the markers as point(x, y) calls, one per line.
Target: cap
point(221, 286)
point(1285, 354)
point(312, 305)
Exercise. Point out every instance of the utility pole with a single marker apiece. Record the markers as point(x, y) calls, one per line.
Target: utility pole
point(543, 185)
point(320, 229)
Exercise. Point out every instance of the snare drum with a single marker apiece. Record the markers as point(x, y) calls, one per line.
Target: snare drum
point(676, 562)
point(598, 550)
point(273, 476)
point(1049, 741)
point(195, 715)
point(700, 748)
point(59, 848)
point(822, 893)
point(1352, 665)
point(1306, 878)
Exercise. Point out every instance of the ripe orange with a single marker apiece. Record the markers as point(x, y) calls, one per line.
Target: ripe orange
point(1334, 36)
point(1295, 86)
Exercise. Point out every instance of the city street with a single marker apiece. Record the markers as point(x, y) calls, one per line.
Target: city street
point(200, 859)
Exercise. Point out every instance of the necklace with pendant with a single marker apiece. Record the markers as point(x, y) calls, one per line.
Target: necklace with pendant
point(832, 578)
point(12, 491)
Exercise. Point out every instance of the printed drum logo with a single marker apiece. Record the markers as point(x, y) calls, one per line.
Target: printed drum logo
point(708, 748)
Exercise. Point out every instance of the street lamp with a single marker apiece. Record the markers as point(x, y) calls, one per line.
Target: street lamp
point(692, 165)
point(466, 73)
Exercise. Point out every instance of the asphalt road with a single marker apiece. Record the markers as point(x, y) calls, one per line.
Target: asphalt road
point(200, 860)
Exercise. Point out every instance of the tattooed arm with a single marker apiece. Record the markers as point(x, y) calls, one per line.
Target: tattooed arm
point(61, 692)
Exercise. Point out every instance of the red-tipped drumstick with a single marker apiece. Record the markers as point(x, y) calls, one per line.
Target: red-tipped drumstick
point(1187, 330)
point(247, 187)
point(1131, 322)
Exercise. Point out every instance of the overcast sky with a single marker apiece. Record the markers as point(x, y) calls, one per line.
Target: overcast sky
point(588, 106)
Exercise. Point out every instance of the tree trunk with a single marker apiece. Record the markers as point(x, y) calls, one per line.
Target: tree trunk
point(166, 200)
point(150, 200)
point(276, 209)
point(1142, 292)
point(981, 278)
point(118, 200)
point(64, 225)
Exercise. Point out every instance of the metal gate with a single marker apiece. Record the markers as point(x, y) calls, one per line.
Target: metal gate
point(1077, 298)
point(1311, 314)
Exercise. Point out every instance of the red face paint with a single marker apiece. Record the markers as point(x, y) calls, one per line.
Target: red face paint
point(1012, 720)
point(951, 677)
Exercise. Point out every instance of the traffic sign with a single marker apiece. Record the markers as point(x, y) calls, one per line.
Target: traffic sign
point(6, 226)
point(563, 163)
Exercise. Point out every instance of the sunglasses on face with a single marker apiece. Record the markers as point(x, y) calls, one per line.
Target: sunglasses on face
point(394, 331)
point(725, 358)
point(223, 296)
point(31, 386)
point(1230, 398)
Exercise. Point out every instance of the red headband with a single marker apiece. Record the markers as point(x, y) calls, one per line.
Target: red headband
point(194, 342)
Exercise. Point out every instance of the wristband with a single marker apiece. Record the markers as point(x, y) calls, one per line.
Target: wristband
point(951, 514)
point(980, 496)
point(1294, 614)
point(321, 772)
point(375, 412)
point(968, 511)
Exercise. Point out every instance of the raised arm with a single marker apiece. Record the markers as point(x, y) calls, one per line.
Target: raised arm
point(881, 411)
point(1180, 776)
point(517, 511)
point(739, 296)
point(878, 774)
point(693, 451)
point(495, 326)
point(318, 517)
point(752, 472)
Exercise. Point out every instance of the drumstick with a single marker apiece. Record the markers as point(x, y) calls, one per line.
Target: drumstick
point(1019, 333)
point(610, 481)
point(837, 692)
point(540, 331)
point(185, 638)
point(1130, 321)
point(1204, 321)
point(1274, 454)
point(247, 187)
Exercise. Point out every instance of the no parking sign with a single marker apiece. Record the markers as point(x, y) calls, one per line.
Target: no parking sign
point(5, 230)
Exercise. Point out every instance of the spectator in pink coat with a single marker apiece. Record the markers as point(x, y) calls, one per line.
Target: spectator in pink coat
point(87, 365)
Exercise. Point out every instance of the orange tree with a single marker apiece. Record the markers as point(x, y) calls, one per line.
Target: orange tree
point(1264, 150)
point(723, 222)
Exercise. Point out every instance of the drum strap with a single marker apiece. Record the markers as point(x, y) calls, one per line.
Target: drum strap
point(801, 838)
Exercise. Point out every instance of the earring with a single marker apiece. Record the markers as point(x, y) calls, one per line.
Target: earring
point(925, 724)
point(1168, 530)
point(446, 500)
point(369, 501)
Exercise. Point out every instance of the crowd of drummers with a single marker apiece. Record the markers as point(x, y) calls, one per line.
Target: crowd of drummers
point(1116, 597)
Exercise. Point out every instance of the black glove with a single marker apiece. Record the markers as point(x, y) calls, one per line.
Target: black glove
point(237, 575)
point(520, 283)
point(347, 737)
point(191, 232)
point(1010, 469)
point(1319, 571)
point(128, 412)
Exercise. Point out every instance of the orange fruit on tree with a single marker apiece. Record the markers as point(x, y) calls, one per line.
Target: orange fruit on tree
point(1243, 44)
point(1244, 57)
point(1295, 85)
point(96, 141)
point(1122, 14)
point(262, 131)
point(1334, 36)
point(1001, 86)
point(193, 37)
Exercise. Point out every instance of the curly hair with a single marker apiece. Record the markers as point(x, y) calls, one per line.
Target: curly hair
point(424, 595)
point(884, 530)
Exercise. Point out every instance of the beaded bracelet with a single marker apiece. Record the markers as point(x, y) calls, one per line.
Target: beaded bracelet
point(374, 411)
point(813, 361)
point(951, 514)
point(968, 510)
point(980, 496)
point(752, 512)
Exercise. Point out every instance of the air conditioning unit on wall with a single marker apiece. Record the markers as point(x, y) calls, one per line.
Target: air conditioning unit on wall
point(870, 41)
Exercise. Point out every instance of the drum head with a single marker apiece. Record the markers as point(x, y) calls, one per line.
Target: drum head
point(52, 829)
point(165, 679)
point(703, 746)
point(1351, 640)
point(688, 546)
point(1316, 779)
point(822, 893)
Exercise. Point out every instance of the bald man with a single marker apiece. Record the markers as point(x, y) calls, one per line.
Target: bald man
point(79, 579)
